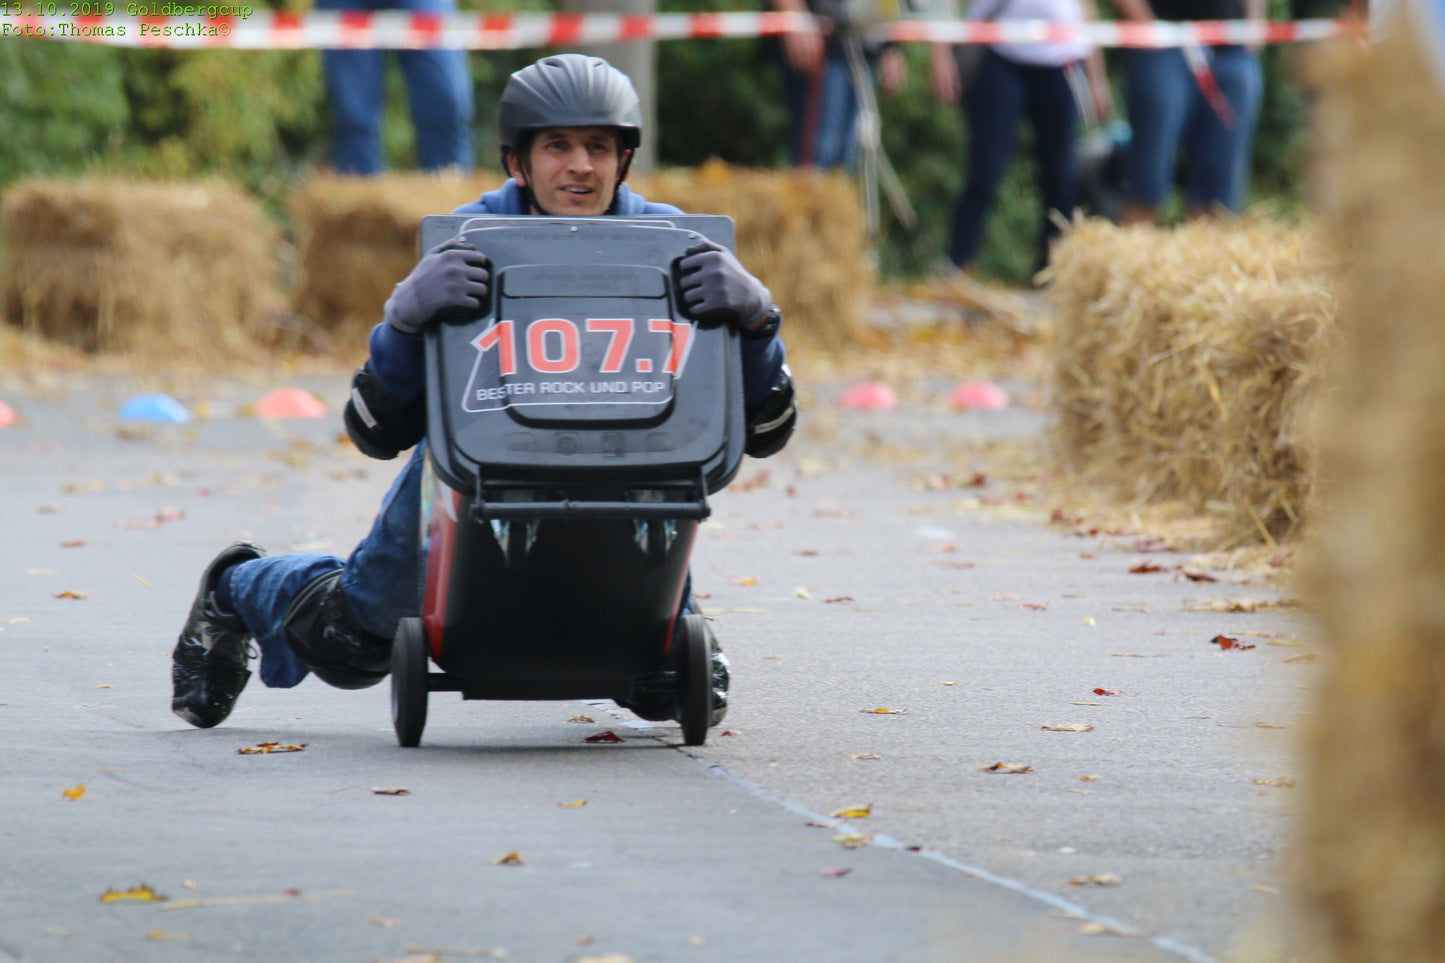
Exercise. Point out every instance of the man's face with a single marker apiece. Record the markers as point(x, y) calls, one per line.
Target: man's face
point(572, 171)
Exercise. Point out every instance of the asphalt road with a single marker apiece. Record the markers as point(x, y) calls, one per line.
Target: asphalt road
point(859, 571)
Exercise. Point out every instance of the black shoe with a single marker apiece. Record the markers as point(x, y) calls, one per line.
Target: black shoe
point(208, 666)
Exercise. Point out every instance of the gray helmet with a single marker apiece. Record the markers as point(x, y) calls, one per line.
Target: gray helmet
point(569, 90)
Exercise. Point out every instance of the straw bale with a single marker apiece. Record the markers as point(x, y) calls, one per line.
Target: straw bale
point(358, 238)
point(801, 232)
point(180, 270)
point(1372, 859)
point(1187, 361)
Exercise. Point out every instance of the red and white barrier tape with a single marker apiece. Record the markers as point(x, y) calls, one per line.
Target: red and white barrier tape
point(181, 25)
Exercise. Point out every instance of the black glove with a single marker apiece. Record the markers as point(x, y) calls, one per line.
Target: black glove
point(716, 287)
point(451, 278)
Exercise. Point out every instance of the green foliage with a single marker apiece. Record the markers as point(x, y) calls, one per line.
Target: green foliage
point(61, 104)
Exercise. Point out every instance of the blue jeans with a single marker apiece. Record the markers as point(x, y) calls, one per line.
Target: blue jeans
point(382, 579)
point(823, 112)
point(1002, 94)
point(439, 90)
point(1168, 113)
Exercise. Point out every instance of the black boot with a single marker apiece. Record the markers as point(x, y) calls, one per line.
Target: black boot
point(323, 631)
point(208, 665)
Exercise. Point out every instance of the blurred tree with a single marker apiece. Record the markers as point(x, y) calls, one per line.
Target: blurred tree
point(53, 124)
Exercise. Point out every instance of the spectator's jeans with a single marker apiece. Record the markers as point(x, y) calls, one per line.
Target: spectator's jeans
point(439, 90)
point(1001, 95)
point(1168, 113)
point(823, 115)
point(382, 579)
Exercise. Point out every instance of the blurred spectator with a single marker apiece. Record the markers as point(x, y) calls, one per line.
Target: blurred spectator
point(818, 86)
point(1203, 102)
point(439, 90)
point(1046, 82)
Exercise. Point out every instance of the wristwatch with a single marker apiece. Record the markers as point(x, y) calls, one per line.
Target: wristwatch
point(772, 321)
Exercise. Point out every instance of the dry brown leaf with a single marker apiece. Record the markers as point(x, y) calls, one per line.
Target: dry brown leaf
point(865, 755)
point(1067, 727)
point(162, 935)
point(835, 871)
point(511, 859)
point(581, 719)
point(1226, 643)
point(1096, 879)
point(269, 747)
point(575, 804)
point(68, 594)
point(1007, 767)
point(884, 712)
point(840, 598)
point(745, 580)
point(854, 812)
point(390, 791)
point(1283, 782)
point(73, 794)
point(605, 736)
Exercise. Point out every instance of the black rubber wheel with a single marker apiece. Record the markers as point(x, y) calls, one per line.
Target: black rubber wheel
point(409, 682)
point(694, 673)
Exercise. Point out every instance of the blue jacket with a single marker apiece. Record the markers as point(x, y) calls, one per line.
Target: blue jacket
point(397, 361)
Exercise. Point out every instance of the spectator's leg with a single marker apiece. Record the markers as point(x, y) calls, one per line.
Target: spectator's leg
point(994, 105)
point(837, 139)
point(355, 91)
point(796, 88)
point(1218, 154)
point(1054, 114)
point(1158, 91)
point(439, 89)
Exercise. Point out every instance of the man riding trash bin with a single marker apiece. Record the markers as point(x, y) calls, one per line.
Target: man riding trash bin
point(568, 128)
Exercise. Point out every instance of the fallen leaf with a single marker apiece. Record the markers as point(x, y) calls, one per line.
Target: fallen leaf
point(1088, 778)
point(841, 598)
point(105, 685)
point(1261, 888)
point(511, 859)
point(801, 593)
point(575, 804)
point(835, 871)
point(584, 940)
point(1007, 767)
point(856, 812)
point(1068, 727)
point(581, 719)
point(948, 683)
point(1226, 643)
point(172, 937)
point(74, 794)
point(1103, 929)
point(745, 580)
point(1270, 725)
point(1108, 692)
point(1196, 574)
point(852, 840)
point(807, 552)
point(140, 894)
point(1033, 606)
point(606, 736)
point(142, 581)
point(73, 543)
point(12, 619)
point(1152, 543)
point(384, 922)
point(729, 732)
point(865, 755)
point(1086, 703)
point(1283, 782)
point(390, 791)
point(71, 595)
point(1146, 568)
point(268, 747)
point(1096, 879)
point(470, 953)
point(884, 712)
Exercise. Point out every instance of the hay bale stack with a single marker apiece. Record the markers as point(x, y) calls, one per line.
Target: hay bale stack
point(358, 237)
point(802, 233)
point(184, 269)
point(1372, 863)
point(1186, 362)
